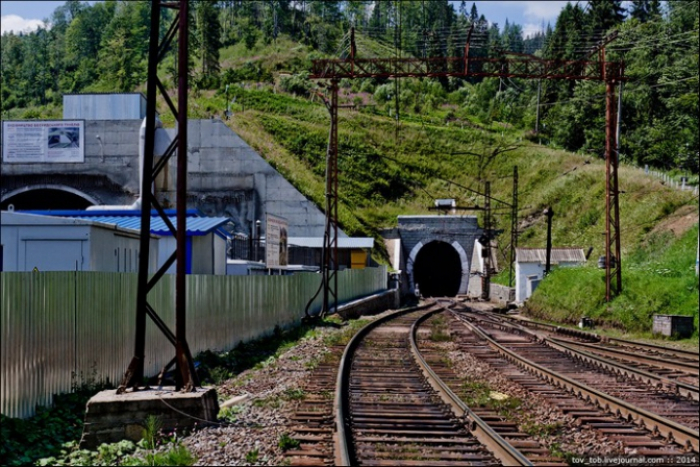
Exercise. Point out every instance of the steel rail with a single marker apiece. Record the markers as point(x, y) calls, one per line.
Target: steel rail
point(691, 369)
point(486, 435)
point(684, 389)
point(653, 422)
point(613, 340)
point(593, 337)
point(654, 347)
point(345, 450)
point(688, 367)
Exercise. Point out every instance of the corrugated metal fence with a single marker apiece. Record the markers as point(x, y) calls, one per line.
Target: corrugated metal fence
point(62, 328)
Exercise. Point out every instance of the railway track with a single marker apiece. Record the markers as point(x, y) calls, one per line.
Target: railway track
point(670, 358)
point(392, 409)
point(674, 370)
point(391, 399)
point(657, 410)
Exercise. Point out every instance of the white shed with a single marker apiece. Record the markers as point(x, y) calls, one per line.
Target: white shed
point(206, 241)
point(530, 264)
point(47, 243)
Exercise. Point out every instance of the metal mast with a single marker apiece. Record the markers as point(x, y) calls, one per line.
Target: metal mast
point(486, 251)
point(330, 236)
point(513, 226)
point(186, 377)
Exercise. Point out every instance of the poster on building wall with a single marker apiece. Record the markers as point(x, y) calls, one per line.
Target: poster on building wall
point(276, 251)
point(43, 141)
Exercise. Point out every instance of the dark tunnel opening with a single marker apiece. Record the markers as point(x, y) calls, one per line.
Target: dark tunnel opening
point(438, 270)
point(45, 199)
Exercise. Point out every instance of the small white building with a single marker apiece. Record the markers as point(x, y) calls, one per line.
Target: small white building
point(46, 243)
point(530, 264)
point(205, 244)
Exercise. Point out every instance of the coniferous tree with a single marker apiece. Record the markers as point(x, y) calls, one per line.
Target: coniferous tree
point(474, 14)
point(604, 14)
point(209, 29)
point(640, 10)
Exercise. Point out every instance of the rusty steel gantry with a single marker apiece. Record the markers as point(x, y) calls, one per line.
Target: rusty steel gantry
point(186, 377)
point(507, 65)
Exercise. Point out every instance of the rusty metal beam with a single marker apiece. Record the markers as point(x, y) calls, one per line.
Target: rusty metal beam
point(613, 263)
point(517, 66)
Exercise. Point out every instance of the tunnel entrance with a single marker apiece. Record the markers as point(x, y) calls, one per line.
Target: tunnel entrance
point(438, 270)
point(46, 199)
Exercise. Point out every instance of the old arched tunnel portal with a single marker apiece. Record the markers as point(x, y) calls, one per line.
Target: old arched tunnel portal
point(436, 253)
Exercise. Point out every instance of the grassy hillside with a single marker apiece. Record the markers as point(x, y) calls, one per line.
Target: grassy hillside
point(382, 177)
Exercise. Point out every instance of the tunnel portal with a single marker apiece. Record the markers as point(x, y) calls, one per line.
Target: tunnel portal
point(46, 199)
point(438, 270)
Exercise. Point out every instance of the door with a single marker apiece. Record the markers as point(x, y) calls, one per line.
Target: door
point(53, 255)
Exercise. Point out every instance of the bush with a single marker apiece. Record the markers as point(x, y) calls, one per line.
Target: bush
point(298, 84)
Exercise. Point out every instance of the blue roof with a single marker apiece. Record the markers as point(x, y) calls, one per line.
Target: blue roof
point(196, 225)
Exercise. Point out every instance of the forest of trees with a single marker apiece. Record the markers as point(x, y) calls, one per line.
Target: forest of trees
point(103, 47)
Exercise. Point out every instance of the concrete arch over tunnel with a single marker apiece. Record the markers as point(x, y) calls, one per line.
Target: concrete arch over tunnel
point(440, 269)
point(44, 197)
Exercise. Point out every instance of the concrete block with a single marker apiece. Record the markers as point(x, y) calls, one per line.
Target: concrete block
point(110, 417)
point(193, 160)
point(194, 139)
point(673, 325)
point(129, 137)
point(163, 140)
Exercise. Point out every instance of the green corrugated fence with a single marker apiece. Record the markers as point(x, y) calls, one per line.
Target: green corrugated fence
point(63, 328)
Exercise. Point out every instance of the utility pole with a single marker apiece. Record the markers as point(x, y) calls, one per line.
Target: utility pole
point(330, 237)
point(486, 250)
point(513, 226)
point(619, 124)
point(549, 212)
point(613, 263)
point(539, 92)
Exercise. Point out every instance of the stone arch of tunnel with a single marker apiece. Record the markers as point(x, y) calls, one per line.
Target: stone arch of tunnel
point(47, 198)
point(437, 270)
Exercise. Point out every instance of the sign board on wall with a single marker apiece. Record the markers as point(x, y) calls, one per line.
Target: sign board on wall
point(276, 251)
point(43, 141)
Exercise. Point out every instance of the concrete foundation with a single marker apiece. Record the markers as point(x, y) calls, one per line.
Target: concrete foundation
point(110, 417)
point(371, 305)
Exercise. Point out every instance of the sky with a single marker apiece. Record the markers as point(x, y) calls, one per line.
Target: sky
point(28, 15)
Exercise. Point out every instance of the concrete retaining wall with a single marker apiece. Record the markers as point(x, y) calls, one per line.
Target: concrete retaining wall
point(370, 305)
point(500, 294)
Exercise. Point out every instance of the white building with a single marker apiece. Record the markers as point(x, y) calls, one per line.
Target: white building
point(530, 265)
point(45, 243)
point(205, 240)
